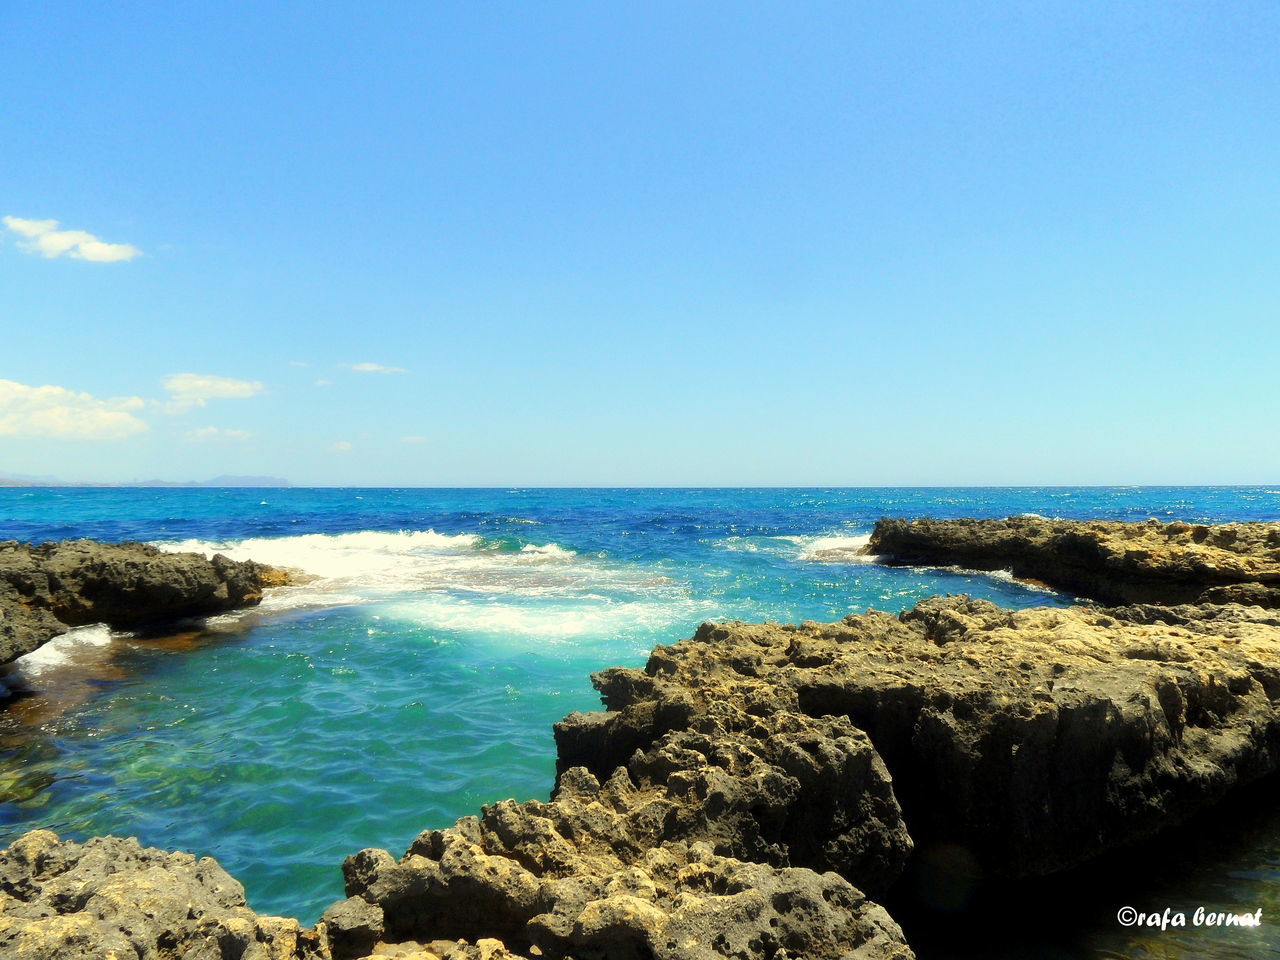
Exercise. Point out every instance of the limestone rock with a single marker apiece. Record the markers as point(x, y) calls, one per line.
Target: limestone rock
point(111, 898)
point(739, 765)
point(1034, 739)
point(1112, 562)
point(46, 589)
point(574, 878)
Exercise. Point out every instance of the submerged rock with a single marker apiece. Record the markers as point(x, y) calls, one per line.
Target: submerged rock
point(47, 589)
point(1111, 562)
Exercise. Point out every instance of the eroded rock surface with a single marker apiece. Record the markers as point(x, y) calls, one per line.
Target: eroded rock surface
point(752, 774)
point(1111, 562)
point(580, 878)
point(687, 842)
point(46, 589)
point(1032, 739)
point(742, 790)
point(111, 898)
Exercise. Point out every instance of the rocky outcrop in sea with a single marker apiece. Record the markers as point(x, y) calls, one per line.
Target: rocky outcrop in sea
point(47, 589)
point(1033, 740)
point(1111, 562)
point(753, 790)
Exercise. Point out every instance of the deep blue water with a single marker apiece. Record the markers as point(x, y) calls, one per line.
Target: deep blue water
point(420, 675)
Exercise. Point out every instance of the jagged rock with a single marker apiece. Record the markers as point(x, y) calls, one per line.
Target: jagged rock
point(579, 878)
point(46, 589)
point(111, 898)
point(1110, 562)
point(1033, 739)
point(740, 766)
point(354, 926)
point(486, 949)
point(736, 794)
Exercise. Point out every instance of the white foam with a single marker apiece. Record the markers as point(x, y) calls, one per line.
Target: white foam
point(1004, 576)
point(458, 581)
point(847, 549)
point(552, 550)
point(741, 544)
point(63, 649)
point(334, 555)
point(568, 619)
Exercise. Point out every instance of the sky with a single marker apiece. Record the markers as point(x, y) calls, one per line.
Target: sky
point(442, 244)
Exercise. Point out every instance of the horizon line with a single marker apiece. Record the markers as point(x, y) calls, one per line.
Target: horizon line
point(196, 485)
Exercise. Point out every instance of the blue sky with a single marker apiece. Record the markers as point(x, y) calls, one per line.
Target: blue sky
point(660, 243)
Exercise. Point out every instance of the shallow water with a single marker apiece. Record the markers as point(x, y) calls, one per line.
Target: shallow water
point(419, 675)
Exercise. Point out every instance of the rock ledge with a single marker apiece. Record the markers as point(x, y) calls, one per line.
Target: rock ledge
point(47, 589)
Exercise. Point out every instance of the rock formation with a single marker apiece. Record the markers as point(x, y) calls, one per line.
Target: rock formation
point(47, 589)
point(111, 898)
point(1111, 562)
point(576, 878)
point(740, 792)
point(1033, 739)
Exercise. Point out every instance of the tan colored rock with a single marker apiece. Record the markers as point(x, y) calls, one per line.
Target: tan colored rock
point(110, 897)
point(1033, 739)
point(582, 877)
point(1112, 562)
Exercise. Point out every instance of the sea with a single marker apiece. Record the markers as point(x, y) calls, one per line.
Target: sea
point(417, 674)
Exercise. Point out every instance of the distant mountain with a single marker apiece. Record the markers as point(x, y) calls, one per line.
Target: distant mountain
point(26, 478)
point(226, 480)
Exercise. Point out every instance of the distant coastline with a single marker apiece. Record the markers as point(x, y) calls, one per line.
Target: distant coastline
point(222, 481)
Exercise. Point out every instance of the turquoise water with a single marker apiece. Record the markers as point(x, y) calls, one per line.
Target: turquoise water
point(419, 676)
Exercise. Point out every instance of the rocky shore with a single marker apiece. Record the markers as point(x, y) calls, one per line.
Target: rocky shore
point(1111, 562)
point(45, 590)
point(752, 790)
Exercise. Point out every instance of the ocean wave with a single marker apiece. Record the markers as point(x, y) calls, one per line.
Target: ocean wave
point(67, 648)
point(849, 549)
point(571, 619)
point(836, 549)
point(1003, 576)
point(1006, 576)
point(331, 555)
point(457, 581)
point(824, 548)
point(552, 550)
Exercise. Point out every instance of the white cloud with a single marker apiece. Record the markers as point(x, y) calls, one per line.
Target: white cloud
point(413, 439)
point(342, 446)
point(56, 412)
point(196, 389)
point(206, 434)
point(44, 238)
point(299, 363)
point(324, 383)
point(367, 367)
